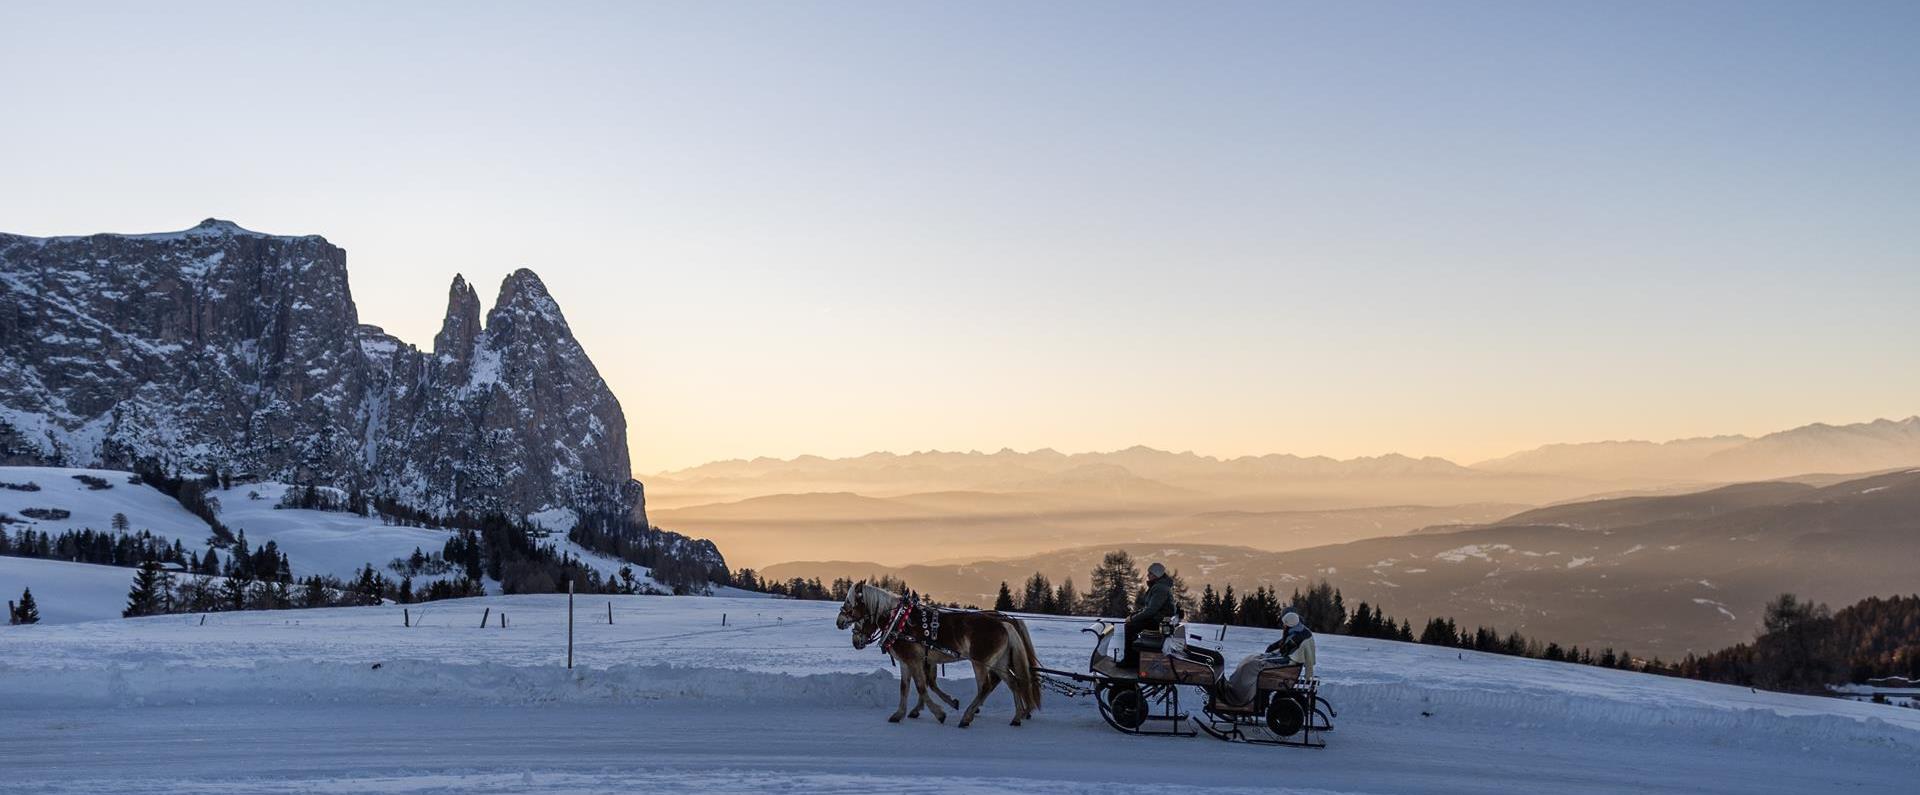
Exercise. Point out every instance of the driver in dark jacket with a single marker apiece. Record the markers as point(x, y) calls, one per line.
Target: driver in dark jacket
point(1155, 607)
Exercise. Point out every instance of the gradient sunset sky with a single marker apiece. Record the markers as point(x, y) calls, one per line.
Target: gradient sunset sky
point(1454, 229)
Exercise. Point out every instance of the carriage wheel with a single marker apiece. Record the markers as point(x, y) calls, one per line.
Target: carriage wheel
point(1129, 708)
point(1285, 717)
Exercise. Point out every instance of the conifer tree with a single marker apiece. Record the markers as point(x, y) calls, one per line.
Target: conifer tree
point(146, 595)
point(235, 591)
point(29, 611)
point(1066, 600)
point(1115, 583)
point(1038, 595)
point(1004, 601)
point(120, 523)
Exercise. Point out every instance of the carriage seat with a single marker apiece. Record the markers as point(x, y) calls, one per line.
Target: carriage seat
point(1150, 641)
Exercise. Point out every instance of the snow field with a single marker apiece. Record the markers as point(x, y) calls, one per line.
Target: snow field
point(316, 542)
point(777, 700)
point(662, 648)
point(65, 592)
point(146, 508)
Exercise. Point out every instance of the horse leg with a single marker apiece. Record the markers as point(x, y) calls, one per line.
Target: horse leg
point(921, 671)
point(933, 683)
point(927, 675)
point(984, 680)
point(895, 717)
point(1015, 686)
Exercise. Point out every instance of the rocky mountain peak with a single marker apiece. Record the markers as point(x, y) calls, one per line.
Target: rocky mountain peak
point(216, 226)
point(462, 324)
point(218, 348)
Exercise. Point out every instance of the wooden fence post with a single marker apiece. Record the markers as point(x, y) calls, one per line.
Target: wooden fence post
point(609, 612)
point(484, 616)
point(406, 617)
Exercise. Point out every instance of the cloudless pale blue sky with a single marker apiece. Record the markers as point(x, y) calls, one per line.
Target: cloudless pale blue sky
point(1454, 229)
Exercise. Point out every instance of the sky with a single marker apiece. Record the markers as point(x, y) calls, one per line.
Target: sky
point(1453, 229)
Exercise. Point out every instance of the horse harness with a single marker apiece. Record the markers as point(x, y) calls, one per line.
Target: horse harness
point(911, 620)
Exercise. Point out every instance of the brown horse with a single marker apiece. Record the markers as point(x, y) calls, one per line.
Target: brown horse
point(997, 644)
point(864, 633)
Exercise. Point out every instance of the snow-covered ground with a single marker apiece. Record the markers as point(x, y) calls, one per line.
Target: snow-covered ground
point(323, 542)
point(316, 542)
point(776, 700)
point(144, 506)
point(67, 592)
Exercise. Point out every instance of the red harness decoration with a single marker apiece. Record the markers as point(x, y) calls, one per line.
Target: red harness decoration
point(902, 623)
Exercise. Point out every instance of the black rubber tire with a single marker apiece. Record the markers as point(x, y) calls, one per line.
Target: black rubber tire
point(1285, 716)
point(1128, 707)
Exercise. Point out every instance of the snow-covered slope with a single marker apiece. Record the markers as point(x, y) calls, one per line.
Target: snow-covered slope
point(323, 542)
point(65, 592)
point(775, 699)
point(145, 507)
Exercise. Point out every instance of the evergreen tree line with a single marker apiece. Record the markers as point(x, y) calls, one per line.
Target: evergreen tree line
point(1803, 646)
point(813, 589)
point(190, 492)
point(91, 546)
point(673, 560)
point(1117, 587)
point(158, 591)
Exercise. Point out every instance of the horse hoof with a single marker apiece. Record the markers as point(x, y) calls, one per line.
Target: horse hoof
point(914, 715)
point(893, 719)
point(1016, 722)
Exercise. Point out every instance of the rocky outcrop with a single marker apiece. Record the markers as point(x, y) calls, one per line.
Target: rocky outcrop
point(222, 348)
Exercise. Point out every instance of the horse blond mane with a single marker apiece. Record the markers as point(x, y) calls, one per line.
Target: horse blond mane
point(877, 601)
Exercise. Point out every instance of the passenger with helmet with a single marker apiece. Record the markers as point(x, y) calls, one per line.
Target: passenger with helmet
point(1295, 647)
point(1155, 608)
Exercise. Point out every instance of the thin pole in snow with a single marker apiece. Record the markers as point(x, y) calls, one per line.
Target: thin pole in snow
point(484, 616)
point(569, 624)
point(723, 619)
point(609, 612)
point(203, 619)
point(406, 617)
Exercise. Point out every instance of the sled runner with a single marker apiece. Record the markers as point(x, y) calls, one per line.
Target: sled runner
point(1282, 709)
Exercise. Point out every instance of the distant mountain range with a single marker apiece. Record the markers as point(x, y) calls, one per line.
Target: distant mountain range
point(1145, 477)
point(1661, 575)
point(1860, 447)
point(956, 525)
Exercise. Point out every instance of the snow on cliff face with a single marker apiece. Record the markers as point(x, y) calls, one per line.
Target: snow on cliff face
point(221, 348)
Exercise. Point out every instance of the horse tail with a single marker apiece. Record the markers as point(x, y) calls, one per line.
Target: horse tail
point(1025, 665)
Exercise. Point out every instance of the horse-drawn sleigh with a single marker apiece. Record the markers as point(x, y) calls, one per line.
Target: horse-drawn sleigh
point(1271, 703)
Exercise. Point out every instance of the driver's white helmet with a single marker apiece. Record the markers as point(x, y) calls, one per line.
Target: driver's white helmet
point(1290, 620)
